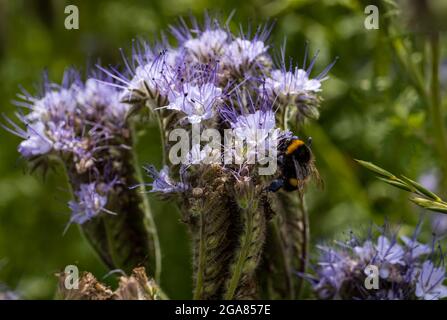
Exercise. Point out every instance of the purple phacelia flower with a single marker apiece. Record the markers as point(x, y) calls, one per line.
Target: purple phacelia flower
point(429, 284)
point(198, 103)
point(85, 125)
point(253, 124)
point(406, 271)
point(208, 46)
point(255, 127)
point(289, 85)
point(56, 104)
point(152, 76)
point(89, 203)
point(162, 181)
point(242, 53)
point(295, 88)
point(95, 93)
point(66, 119)
point(36, 142)
point(389, 251)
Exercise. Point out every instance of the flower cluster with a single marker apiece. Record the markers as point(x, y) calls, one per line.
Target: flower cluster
point(213, 82)
point(83, 124)
point(215, 79)
point(406, 270)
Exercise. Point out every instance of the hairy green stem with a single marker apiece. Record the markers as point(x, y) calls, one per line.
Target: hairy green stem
point(149, 219)
point(305, 242)
point(162, 138)
point(248, 254)
point(286, 262)
point(244, 251)
point(198, 290)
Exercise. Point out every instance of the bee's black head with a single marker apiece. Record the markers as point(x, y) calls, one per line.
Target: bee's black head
point(303, 154)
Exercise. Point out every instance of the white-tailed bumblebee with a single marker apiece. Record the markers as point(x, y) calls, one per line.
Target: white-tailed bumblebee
point(296, 163)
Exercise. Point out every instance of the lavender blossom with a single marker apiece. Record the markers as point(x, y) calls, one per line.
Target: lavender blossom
point(96, 93)
point(406, 271)
point(254, 124)
point(242, 53)
point(36, 142)
point(208, 46)
point(83, 124)
point(294, 88)
point(198, 103)
point(429, 285)
point(152, 76)
point(162, 182)
point(89, 203)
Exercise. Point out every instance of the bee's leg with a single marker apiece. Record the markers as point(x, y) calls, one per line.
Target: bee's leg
point(276, 185)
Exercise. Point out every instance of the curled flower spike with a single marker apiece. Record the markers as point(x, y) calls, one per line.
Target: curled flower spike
point(149, 77)
point(294, 87)
point(73, 120)
point(242, 54)
point(208, 46)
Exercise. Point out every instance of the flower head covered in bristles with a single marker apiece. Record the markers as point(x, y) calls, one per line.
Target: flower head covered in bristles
point(406, 269)
point(203, 43)
point(46, 118)
point(293, 86)
point(254, 122)
point(83, 124)
point(197, 95)
point(56, 122)
point(149, 73)
point(237, 56)
point(245, 52)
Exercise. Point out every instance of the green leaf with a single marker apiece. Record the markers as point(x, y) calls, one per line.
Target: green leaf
point(422, 189)
point(396, 183)
point(430, 205)
point(376, 169)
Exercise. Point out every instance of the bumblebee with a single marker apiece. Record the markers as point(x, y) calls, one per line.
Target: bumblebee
point(296, 163)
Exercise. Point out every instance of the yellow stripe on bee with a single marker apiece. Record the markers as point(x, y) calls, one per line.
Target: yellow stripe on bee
point(293, 146)
point(293, 182)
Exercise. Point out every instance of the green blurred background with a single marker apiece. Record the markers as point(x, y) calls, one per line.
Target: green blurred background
point(371, 111)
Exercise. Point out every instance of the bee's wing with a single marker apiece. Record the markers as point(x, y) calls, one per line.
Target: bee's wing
point(300, 174)
point(316, 176)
